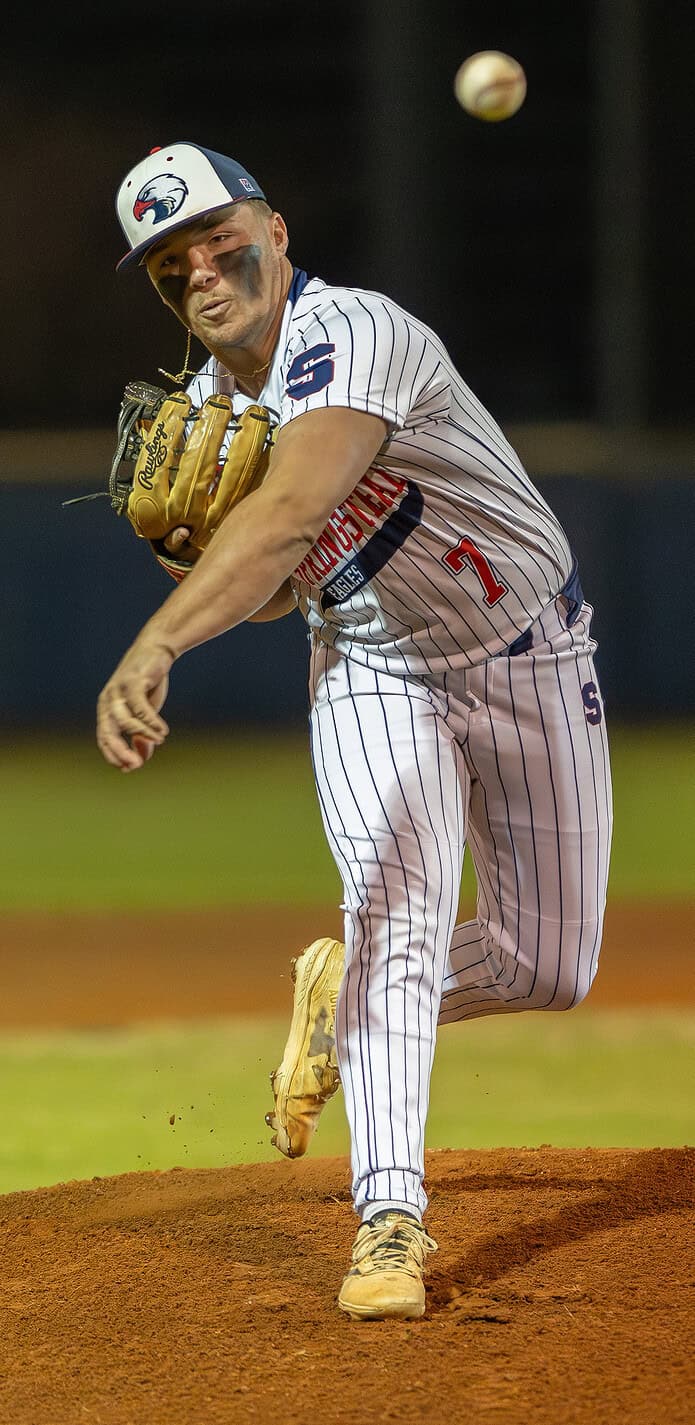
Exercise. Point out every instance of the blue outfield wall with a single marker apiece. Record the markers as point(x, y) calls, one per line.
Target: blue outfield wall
point(76, 587)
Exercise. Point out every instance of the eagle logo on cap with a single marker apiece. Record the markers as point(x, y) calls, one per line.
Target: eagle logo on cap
point(161, 196)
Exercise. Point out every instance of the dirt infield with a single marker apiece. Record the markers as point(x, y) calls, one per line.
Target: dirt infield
point(111, 968)
point(562, 1293)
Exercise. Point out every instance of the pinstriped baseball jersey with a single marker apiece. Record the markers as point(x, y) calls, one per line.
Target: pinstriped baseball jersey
point(445, 552)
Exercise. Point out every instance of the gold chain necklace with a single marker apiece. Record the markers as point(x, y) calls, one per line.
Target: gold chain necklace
point(181, 375)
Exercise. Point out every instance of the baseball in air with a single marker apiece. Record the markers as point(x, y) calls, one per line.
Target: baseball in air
point(490, 85)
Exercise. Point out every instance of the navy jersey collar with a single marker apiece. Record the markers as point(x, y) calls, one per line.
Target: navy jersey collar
point(299, 281)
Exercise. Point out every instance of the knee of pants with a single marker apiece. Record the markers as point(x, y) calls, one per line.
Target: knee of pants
point(565, 971)
point(573, 986)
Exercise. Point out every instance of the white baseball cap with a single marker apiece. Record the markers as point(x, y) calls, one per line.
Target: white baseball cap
point(171, 187)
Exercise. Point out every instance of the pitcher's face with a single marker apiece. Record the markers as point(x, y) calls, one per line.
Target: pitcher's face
point(222, 276)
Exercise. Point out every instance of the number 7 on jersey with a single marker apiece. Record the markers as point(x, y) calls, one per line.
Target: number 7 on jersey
point(466, 552)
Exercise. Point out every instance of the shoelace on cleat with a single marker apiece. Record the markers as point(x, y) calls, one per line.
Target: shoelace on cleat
point(392, 1244)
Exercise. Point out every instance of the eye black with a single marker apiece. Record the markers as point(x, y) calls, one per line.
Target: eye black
point(171, 287)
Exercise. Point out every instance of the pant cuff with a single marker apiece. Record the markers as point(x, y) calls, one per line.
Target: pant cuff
point(400, 1185)
point(371, 1209)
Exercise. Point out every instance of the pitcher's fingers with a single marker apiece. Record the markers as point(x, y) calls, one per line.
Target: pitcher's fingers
point(144, 746)
point(121, 741)
point(129, 704)
point(116, 751)
point(174, 541)
point(116, 728)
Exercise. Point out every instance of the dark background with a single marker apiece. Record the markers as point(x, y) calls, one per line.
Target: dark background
point(551, 252)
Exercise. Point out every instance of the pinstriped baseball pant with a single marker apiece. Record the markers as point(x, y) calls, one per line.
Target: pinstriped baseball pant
point(510, 757)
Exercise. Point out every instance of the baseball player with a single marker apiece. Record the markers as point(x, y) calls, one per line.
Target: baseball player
point(454, 698)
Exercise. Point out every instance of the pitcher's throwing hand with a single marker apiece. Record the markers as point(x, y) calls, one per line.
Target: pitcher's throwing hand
point(128, 723)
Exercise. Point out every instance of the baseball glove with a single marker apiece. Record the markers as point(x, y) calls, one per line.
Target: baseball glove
point(180, 478)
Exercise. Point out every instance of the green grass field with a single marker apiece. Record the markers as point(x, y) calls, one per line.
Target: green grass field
point(234, 820)
point(230, 819)
point(81, 1104)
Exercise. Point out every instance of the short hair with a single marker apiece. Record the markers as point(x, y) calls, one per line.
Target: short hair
point(262, 206)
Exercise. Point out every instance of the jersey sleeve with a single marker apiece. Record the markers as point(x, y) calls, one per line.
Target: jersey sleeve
point(358, 351)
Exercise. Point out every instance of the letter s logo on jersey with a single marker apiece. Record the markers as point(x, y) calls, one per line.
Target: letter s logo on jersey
point(592, 704)
point(311, 371)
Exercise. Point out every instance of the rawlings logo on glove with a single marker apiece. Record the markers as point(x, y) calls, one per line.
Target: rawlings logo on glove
point(181, 478)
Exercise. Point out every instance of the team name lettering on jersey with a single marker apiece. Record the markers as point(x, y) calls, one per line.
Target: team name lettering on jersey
point(361, 535)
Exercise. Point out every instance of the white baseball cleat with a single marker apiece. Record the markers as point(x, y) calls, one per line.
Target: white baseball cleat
point(308, 1075)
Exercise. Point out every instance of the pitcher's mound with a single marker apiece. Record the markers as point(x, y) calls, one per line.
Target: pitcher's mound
point(562, 1292)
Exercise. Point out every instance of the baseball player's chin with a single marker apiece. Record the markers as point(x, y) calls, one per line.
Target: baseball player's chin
point(222, 329)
